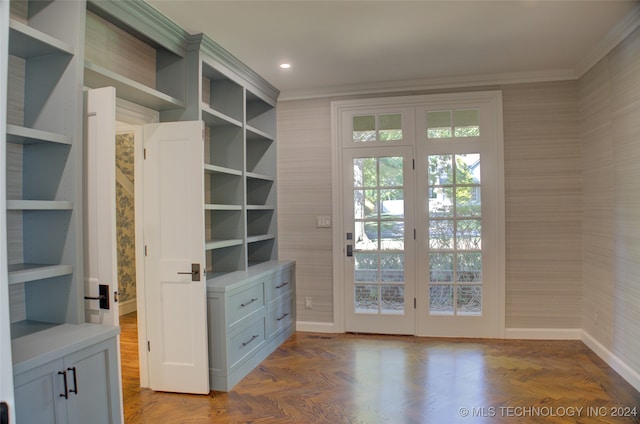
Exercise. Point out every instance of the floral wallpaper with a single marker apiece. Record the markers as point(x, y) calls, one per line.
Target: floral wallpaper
point(125, 216)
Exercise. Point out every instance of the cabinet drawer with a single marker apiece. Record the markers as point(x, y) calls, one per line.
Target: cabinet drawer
point(280, 284)
point(246, 302)
point(280, 315)
point(246, 341)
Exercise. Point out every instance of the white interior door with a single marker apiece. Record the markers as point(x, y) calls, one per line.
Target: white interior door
point(101, 263)
point(100, 255)
point(379, 263)
point(175, 283)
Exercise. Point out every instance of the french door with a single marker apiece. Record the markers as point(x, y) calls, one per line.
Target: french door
point(379, 245)
point(422, 203)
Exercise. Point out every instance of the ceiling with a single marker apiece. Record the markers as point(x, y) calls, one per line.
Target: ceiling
point(346, 47)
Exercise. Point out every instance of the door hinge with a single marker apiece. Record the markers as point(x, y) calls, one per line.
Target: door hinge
point(414, 234)
point(413, 161)
point(144, 153)
point(145, 250)
point(148, 346)
point(415, 303)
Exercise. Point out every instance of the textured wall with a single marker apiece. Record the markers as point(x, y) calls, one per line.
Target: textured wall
point(543, 183)
point(610, 129)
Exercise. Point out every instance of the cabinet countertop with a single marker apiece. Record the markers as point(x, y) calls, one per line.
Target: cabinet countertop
point(227, 282)
point(45, 346)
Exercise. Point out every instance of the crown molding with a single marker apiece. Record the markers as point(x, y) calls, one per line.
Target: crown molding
point(614, 37)
point(487, 80)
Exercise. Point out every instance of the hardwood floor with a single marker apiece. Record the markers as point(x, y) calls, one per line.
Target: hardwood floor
point(327, 378)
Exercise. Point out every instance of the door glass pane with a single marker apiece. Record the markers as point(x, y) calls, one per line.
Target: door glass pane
point(383, 127)
point(364, 128)
point(439, 124)
point(469, 300)
point(378, 199)
point(390, 126)
point(466, 123)
point(441, 299)
point(455, 234)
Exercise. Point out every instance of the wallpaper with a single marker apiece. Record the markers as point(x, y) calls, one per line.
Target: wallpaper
point(125, 216)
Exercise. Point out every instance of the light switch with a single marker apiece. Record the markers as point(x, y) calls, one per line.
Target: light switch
point(323, 221)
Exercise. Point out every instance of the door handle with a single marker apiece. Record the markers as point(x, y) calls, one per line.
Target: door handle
point(195, 272)
point(349, 250)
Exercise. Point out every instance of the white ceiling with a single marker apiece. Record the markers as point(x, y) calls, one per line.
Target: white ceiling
point(342, 47)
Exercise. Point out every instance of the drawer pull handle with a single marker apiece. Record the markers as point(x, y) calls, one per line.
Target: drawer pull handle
point(250, 340)
point(242, 305)
point(282, 285)
point(66, 388)
point(282, 317)
point(75, 381)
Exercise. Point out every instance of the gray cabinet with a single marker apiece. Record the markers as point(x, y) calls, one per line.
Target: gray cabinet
point(250, 314)
point(70, 375)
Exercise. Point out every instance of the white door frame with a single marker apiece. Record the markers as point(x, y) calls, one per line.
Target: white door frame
point(340, 107)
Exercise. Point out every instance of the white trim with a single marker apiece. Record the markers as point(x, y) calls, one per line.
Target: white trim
point(621, 367)
point(449, 82)
point(128, 306)
point(316, 327)
point(617, 34)
point(543, 333)
point(493, 97)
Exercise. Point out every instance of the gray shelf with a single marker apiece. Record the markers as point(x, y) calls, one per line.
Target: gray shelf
point(22, 135)
point(214, 118)
point(21, 273)
point(221, 244)
point(39, 205)
point(96, 76)
point(27, 42)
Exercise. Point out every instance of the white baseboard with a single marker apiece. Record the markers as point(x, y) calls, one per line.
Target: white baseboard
point(315, 327)
point(128, 306)
point(543, 333)
point(632, 376)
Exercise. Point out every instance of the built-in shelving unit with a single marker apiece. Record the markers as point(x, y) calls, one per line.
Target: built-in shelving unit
point(239, 166)
point(43, 147)
point(126, 48)
point(43, 162)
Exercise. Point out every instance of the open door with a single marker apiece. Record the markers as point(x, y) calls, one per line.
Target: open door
point(100, 258)
point(101, 266)
point(175, 284)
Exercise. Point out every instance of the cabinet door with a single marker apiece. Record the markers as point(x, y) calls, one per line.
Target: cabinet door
point(93, 384)
point(40, 395)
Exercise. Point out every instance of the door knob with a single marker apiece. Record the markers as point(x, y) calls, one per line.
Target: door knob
point(195, 272)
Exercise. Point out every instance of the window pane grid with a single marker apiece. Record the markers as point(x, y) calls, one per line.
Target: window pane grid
point(455, 235)
point(379, 127)
point(378, 197)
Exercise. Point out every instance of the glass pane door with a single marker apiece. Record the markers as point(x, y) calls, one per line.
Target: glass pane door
point(380, 297)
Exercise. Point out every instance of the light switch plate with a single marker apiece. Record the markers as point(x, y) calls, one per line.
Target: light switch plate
point(323, 221)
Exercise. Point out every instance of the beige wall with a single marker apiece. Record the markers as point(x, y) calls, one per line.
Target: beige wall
point(610, 132)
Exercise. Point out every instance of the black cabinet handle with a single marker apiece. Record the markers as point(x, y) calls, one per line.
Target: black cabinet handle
point(75, 381)
point(250, 340)
point(242, 305)
point(282, 317)
point(282, 285)
point(66, 388)
point(4, 413)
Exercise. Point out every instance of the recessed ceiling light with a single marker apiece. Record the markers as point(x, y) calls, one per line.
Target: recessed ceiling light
point(285, 65)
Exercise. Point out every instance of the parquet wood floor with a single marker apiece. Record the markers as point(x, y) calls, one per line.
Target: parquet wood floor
point(320, 378)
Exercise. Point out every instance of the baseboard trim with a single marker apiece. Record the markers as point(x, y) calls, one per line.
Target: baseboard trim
point(543, 333)
point(315, 327)
point(621, 367)
point(128, 306)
